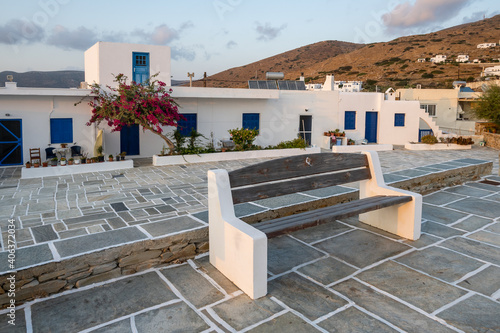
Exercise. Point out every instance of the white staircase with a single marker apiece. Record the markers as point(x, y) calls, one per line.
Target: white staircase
point(432, 124)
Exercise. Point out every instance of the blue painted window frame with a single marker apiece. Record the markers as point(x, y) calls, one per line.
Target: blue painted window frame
point(186, 126)
point(350, 120)
point(399, 120)
point(61, 130)
point(251, 121)
point(140, 61)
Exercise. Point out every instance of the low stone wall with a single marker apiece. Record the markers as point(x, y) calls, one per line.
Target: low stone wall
point(80, 271)
point(492, 140)
point(83, 270)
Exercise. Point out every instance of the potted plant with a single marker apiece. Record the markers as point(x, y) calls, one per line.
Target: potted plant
point(100, 156)
point(53, 161)
point(122, 155)
point(45, 164)
point(70, 161)
point(77, 161)
point(36, 163)
point(28, 164)
point(84, 158)
point(63, 161)
point(118, 157)
point(64, 145)
point(350, 142)
point(110, 158)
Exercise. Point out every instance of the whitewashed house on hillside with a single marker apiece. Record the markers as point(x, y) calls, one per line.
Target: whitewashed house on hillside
point(491, 71)
point(486, 45)
point(37, 117)
point(438, 58)
point(462, 58)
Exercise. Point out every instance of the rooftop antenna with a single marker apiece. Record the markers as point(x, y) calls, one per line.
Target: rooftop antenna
point(190, 75)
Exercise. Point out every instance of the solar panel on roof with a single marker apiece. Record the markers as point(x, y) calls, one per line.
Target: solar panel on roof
point(262, 84)
point(252, 84)
point(301, 85)
point(271, 84)
point(282, 85)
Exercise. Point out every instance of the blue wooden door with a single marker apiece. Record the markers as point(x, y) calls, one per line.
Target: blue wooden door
point(371, 125)
point(305, 128)
point(424, 132)
point(140, 67)
point(11, 142)
point(129, 140)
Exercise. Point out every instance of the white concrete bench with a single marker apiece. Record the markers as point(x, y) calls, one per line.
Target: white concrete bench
point(239, 250)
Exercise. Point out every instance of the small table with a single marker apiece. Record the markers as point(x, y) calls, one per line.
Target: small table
point(62, 152)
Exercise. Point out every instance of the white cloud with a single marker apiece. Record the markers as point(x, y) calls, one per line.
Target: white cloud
point(80, 38)
point(231, 44)
point(267, 32)
point(422, 13)
point(20, 31)
point(162, 34)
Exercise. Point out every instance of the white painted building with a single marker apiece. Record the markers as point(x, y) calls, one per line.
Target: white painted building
point(42, 117)
point(486, 45)
point(421, 60)
point(438, 58)
point(330, 84)
point(462, 58)
point(491, 71)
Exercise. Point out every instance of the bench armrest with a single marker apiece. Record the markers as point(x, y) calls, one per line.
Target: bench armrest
point(403, 220)
point(237, 250)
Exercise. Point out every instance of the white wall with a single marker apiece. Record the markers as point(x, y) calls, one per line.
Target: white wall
point(35, 113)
point(104, 60)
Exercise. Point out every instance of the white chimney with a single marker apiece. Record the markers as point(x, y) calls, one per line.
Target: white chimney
point(302, 77)
point(329, 83)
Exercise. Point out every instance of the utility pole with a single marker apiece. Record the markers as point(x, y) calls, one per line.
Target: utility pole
point(190, 75)
point(205, 79)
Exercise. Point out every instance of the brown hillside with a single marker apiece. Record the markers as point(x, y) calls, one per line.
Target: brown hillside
point(384, 64)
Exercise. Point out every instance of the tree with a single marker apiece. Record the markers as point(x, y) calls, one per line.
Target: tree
point(488, 105)
point(148, 105)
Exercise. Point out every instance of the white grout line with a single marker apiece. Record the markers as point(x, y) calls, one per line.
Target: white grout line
point(218, 319)
point(327, 238)
point(274, 316)
point(207, 277)
point(133, 327)
point(472, 273)
point(141, 229)
point(333, 313)
point(27, 319)
point(179, 295)
point(391, 325)
point(55, 254)
point(409, 305)
point(496, 295)
point(298, 314)
point(455, 302)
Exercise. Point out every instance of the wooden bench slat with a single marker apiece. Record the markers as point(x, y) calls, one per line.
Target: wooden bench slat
point(265, 191)
point(295, 166)
point(312, 218)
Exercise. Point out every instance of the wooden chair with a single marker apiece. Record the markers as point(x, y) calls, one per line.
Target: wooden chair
point(35, 155)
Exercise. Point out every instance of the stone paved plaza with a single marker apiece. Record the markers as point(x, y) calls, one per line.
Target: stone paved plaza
point(339, 277)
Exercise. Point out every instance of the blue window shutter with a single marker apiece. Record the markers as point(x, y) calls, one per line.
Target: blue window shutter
point(350, 120)
point(61, 130)
point(186, 126)
point(251, 120)
point(399, 120)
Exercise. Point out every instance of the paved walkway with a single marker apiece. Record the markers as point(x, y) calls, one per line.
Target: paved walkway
point(339, 277)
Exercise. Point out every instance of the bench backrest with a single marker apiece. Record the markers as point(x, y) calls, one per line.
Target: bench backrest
point(295, 174)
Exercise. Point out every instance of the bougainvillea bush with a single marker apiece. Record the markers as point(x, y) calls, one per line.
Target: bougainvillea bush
point(147, 104)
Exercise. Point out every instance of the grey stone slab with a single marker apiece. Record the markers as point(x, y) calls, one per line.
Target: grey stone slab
point(246, 209)
point(486, 282)
point(470, 161)
point(44, 233)
point(152, 211)
point(413, 287)
point(93, 182)
point(284, 253)
point(170, 226)
point(474, 249)
point(410, 173)
point(126, 216)
point(494, 197)
point(440, 230)
point(242, 311)
point(442, 166)
point(178, 317)
point(202, 216)
point(285, 323)
point(391, 178)
point(70, 247)
point(27, 256)
point(304, 296)
point(353, 320)
point(487, 237)
point(468, 191)
point(354, 221)
point(91, 307)
point(116, 223)
point(90, 217)
point(361, 248)
point(424, 240)
point(20, 323)
point(481, 207)
point(327, 271)
point(441, 198)
point(165, 209)
point(72, 233)
point(123, 326)
point(440, 214)
point(475, 314)
point(494, 228)
point(41, 206)
point(486, 187)
point(283, 201)
point(118, 206)
point(472, 223)
point(329, 191)
point(320, 232)
point(204, 265)
point(193, 286)
point(440, 263)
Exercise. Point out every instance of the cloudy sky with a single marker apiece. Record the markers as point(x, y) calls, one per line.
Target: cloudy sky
point(212, 35)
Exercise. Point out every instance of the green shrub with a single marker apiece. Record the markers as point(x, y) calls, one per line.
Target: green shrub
point(427, 76)
point(243, 138)
point(295, 143)
point(429, 139)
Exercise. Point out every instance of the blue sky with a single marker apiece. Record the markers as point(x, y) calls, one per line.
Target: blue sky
point(212, 35)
